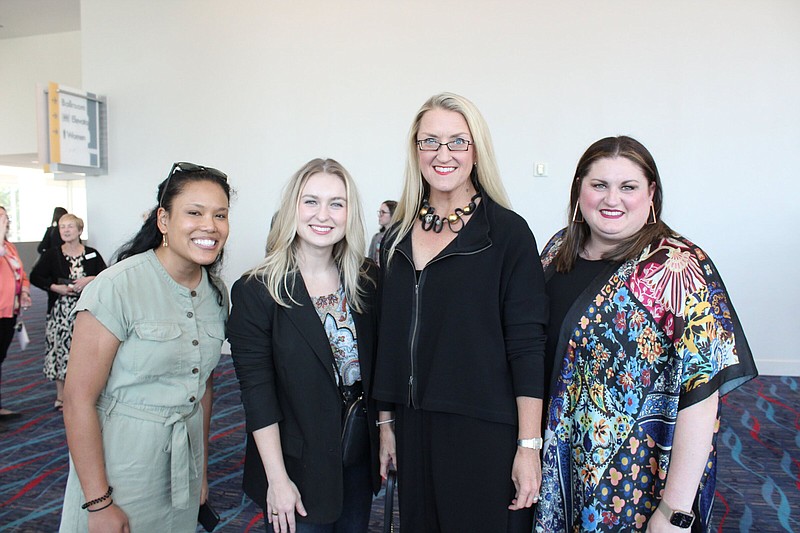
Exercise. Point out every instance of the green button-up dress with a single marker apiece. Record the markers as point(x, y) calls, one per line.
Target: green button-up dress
point(149, 410)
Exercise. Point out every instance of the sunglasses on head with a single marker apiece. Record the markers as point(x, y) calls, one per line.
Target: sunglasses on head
point(183, 166)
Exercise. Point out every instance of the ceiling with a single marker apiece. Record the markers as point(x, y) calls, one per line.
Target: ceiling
point(23, 18)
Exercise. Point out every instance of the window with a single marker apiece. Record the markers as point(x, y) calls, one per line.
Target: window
point(30, 195)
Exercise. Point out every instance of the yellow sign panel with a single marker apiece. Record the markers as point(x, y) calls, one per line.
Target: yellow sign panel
point(54, 122)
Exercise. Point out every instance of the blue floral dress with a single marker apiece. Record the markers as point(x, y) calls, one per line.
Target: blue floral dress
point(657, 335)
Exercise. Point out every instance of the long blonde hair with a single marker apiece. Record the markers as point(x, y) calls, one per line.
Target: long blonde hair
point(485, 173)
point(280, 267)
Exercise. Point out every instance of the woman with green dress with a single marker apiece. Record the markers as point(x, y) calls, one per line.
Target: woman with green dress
point(148, 334)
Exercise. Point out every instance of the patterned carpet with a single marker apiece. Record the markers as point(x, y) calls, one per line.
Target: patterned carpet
point(758, 485)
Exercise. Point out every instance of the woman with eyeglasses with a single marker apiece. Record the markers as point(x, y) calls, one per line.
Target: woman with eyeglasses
point(302, 335)
point(148, 334)
point(385, 214)
point(15, 294)
point(459, 369)
point(643, 341)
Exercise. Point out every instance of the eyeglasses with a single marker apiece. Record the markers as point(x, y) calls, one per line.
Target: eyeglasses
point(383, 213)
point(432, 145)
point(189, 167)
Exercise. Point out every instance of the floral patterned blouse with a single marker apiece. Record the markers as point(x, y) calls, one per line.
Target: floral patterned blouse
point(338, 322)
point(653, 336)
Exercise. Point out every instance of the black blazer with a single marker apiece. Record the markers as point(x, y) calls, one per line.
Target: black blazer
point(285, 368)
point(52, 266)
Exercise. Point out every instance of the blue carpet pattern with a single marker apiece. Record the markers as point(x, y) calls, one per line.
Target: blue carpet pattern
point(758, 483)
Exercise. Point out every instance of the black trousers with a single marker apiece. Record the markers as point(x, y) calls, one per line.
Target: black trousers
point(6, 336)
point(454, 474)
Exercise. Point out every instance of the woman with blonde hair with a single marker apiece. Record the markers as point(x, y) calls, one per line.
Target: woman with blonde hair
point(302, 334)
point(461, 335)
point(63, 272)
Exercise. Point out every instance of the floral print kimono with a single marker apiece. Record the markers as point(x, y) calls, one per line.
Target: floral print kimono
point(654, 336)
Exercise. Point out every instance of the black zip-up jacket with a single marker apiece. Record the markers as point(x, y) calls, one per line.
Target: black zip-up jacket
point(52, 267)
point(469, 336)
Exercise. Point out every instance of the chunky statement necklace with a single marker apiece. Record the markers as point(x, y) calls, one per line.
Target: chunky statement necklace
point(432, 221)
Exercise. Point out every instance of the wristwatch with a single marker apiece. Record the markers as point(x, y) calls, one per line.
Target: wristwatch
point(681, 519)
point(534, 443)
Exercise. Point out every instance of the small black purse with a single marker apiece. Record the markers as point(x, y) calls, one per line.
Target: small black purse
point(355, 430)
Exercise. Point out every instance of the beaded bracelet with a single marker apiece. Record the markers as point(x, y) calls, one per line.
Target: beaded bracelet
point(106, 506)
point(102, 498)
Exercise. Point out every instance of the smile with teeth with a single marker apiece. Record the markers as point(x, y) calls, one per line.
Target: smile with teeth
point(205, 243)
point(443, 170)
point(323, 230)
point(611, 213)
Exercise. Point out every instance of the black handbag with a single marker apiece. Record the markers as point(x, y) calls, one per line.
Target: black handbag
point(355, 430)
point(388, 504)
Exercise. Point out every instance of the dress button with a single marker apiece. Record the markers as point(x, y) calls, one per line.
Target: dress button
point(192, 399)
point(190, 314)
point(194, 293)
point(195, 342)
point(195, 370)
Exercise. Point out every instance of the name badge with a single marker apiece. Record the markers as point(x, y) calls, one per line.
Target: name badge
point(91, 255)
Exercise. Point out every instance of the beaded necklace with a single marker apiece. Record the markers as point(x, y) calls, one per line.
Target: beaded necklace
point(432, 221)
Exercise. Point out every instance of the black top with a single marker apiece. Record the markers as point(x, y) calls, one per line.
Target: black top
point(52, 266)
point(470, 331)
point(563, 288)
point(51, 239)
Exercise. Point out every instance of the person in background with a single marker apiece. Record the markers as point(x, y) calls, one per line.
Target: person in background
point(302, 336)
point(52, 237)
point(643, 340)
point(385, 214)
point(15, 295)
point(64, 271)
point(459, 368)
point(138, 395)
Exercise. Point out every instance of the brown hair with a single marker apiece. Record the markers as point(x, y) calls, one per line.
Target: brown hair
point(577, 232)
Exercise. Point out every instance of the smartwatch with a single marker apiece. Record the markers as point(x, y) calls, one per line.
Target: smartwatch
point(681, 519)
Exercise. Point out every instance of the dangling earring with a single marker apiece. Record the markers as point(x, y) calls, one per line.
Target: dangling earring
point(652, 215)
point(164, 241)
point(577, 216)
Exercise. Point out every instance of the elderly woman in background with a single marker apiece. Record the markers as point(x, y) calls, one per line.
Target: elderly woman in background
point(643, 340)
point(302, 335)
point(15, 294)
point(385, 214)
point(64, 271)
point(461, 337)
point(138, 395)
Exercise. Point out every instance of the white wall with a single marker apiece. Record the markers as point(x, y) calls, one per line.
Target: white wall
point(258, 88)
point(24, 62)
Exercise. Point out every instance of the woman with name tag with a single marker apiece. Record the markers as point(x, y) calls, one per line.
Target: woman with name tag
point(64, 271)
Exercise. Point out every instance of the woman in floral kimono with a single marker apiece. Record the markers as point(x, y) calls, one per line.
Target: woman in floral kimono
point(643, 340)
